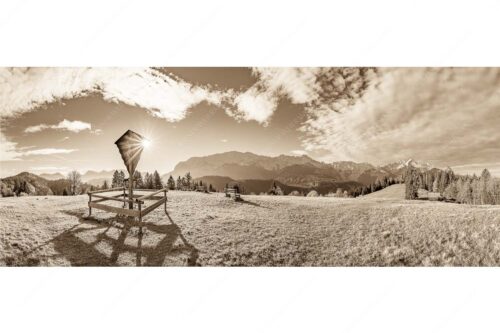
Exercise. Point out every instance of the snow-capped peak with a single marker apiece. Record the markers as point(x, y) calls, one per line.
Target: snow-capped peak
point(415, 164)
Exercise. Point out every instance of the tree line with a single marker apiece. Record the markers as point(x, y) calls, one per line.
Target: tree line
point(148, 181)
point(154, 181)
point(186, 183)
point(482, 190)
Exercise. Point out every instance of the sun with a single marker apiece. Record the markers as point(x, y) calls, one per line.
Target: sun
point(146, 143)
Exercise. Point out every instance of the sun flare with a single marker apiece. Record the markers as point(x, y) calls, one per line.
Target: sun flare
point(146, 143)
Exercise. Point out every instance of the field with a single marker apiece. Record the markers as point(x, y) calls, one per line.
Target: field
point(380, 229)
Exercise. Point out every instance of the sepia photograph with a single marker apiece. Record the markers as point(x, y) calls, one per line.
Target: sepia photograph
point(264, 166)
point(241, 166)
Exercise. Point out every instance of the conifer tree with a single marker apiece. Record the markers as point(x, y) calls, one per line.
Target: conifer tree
point(116, 179)
point(121, 178)
point(486, 196)
point(149, 181)
point(435, 187)
point(451, 191)
point(411, 184)
point(139, 182)
point(157, 182)
point(188, 179)
point(465, 192)
point(171, 183)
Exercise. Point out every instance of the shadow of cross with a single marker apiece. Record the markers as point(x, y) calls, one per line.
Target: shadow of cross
point(81, 244)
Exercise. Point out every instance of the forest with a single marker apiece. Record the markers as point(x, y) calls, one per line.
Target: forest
point(474, 190)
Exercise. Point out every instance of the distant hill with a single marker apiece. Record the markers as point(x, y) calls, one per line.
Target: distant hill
point(52, 176)
point(90, 177)
point(96, 176)
point(27, 183)
point(99, 181)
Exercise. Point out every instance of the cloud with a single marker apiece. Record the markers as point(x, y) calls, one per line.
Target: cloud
point(168, 97)
point(329, 89)
point(164, 96)
point(24, 89)
point(298, 152)
point(10, 152)
point(444, 115)
point(50, 169)
point(447, 116)
point(299, 84)
point(260, 101)
point(255, 105)
point(47, 151)
point(72, 126)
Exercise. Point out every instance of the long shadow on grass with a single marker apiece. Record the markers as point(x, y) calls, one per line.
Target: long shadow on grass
point(74, 246)
point(251, 203)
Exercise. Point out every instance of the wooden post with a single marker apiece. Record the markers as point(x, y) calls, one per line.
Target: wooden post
point(124, 196)
point(130, 191)
point(165, 195)
point(90, 200)
point(140, 217)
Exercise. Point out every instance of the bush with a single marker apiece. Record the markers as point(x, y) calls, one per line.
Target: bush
point(7, 191)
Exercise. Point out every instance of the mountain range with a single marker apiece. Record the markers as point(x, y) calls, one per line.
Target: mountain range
point(300, 171)
point(257, 173)
point(90, 177)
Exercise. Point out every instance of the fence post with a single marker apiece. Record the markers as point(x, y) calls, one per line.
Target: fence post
point(90, 200)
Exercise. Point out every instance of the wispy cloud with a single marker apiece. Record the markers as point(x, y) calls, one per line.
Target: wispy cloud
point(445, 115)
point(47, 151)
point(22, 90)
point(299, 84)
point(10, 152)
point(298, 152)
point(327, 89)
point(50, 169)
point(68, 125)
point(255, 105)
point(260, 101)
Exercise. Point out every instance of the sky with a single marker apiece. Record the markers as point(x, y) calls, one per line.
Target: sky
point(62, 119)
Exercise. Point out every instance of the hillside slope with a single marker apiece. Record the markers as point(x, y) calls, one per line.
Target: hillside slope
point(27, 183)
point(396, 192)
